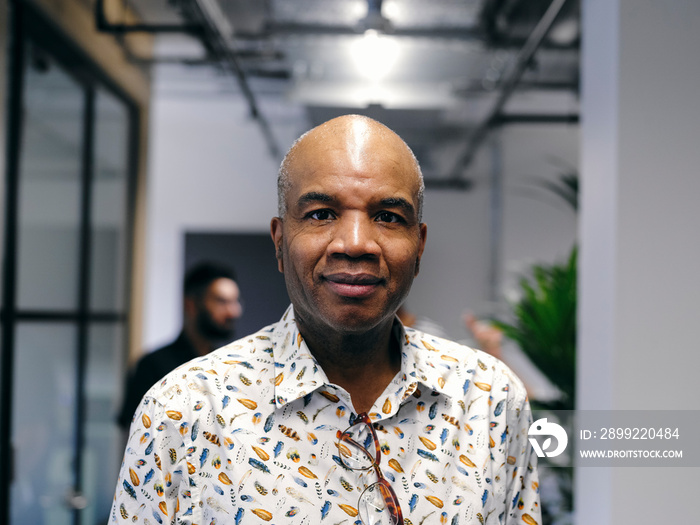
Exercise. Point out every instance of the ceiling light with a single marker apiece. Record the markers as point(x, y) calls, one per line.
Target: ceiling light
point(375, 55)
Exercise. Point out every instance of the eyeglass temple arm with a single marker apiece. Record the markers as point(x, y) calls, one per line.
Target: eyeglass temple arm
point(363, 449)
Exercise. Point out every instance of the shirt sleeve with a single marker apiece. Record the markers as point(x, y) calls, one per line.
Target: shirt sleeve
point(523, 494)
point(154, 468)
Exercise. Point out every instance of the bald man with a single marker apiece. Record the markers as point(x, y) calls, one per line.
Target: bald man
point(337, 413)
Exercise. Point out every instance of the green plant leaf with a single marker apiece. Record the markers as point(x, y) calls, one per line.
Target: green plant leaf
point(544, 322)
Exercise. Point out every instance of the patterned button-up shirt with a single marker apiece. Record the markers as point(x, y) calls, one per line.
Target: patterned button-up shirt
point(248, 434)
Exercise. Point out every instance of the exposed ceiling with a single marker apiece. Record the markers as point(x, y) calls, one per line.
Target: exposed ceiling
point(434, 70)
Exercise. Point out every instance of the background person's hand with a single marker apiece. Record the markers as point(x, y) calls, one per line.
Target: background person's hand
point(488, 337)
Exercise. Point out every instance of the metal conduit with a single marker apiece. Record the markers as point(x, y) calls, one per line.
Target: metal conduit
point(522, 61)
point(209, 25)
point(216, 43)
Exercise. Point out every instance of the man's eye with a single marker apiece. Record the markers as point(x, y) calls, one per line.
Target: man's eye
point(321, 215)
point(386, 216)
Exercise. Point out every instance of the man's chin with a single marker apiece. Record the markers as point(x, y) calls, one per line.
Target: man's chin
point(227, 336)
point(220, 335)
point(343, 317)
point(357, 323)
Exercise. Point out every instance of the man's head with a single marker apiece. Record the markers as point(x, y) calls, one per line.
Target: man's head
point(349, 237)
point(212, 302)
point(283, 181)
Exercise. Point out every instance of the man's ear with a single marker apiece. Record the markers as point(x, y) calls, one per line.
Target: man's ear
point(276, 234)
point(421, 245)
point(190, 307)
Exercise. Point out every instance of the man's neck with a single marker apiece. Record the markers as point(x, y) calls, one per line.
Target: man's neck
point(201, 345)
point(363, 364)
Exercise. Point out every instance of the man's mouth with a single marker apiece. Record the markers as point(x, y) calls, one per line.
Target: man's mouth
point(354, 285)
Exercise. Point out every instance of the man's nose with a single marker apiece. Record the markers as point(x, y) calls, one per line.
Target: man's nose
point(355, 235)
point(235, 309)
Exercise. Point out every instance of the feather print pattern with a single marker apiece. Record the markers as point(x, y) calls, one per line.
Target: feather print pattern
point(249, 433)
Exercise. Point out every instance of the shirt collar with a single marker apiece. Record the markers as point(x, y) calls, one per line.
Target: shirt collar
point(297, 373)
point(433, 362)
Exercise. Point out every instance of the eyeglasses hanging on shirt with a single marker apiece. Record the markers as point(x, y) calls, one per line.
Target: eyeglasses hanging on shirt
point(360, 450)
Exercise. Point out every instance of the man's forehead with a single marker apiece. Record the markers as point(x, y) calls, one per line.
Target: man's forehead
point(326, 153)
point(222, 286)
point(355, 135)
point(324, 183)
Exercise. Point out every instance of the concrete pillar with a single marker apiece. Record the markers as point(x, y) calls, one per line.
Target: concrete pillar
point(640, 241)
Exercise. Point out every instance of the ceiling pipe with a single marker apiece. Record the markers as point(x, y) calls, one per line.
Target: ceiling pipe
point(522, 61)
point(477, 87)
point(464, 34)
point(499, 17)
point(447, 184)
point(215, 38)
point(214, 32)
point(535, 118)
point(210, 61)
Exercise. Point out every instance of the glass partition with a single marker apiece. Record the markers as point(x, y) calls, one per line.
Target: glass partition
point(109, 203)
point(103, 446)
point(43, 426)
point(50, 183)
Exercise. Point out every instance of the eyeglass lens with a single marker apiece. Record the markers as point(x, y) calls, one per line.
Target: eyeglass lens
point(378, 505)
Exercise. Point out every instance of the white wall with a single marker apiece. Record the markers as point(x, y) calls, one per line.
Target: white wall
point(639, 241)
point(538, 226)
point(455, 263)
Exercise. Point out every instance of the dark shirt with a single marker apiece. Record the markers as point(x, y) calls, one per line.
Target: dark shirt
point(149, 370)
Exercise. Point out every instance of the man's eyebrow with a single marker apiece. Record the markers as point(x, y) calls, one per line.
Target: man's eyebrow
point(398, 202)
point(389, 202)
point(314, 196)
